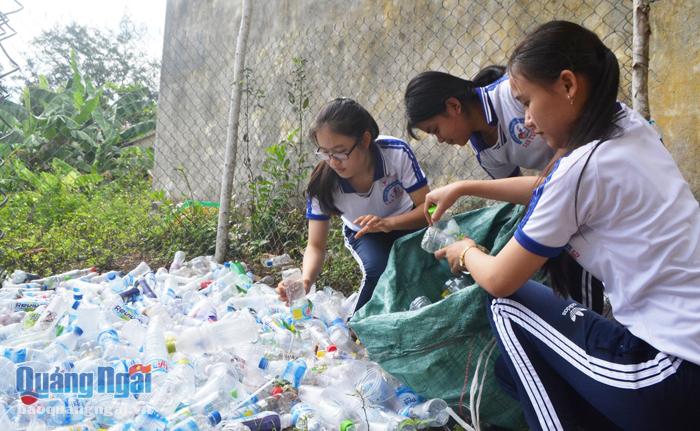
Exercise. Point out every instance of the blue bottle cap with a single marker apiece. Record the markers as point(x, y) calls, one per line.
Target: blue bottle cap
point(214, 417)
point(78, 330)
point(264, 363)
point(404, 389)
point(111, 276)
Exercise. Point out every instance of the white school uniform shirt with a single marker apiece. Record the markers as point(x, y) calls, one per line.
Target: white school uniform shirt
point(396, 174)
point(639, 232)
point(517, 146)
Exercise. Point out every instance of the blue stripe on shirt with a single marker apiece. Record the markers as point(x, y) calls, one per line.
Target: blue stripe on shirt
point(396, 144)
point(311, 216)
point(536, 196)
point(535, 247)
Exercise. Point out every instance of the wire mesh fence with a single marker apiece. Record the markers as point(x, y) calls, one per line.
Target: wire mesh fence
point(361, 50)
point(368, 53)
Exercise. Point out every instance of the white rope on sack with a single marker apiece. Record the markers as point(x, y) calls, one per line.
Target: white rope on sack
point(478, 383)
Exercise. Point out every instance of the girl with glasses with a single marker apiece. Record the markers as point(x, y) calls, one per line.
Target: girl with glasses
point(613, 199)
point(373, 182)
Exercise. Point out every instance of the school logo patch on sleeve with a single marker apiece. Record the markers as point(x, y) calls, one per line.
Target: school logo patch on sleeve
point(392, 191)
point(520, 134)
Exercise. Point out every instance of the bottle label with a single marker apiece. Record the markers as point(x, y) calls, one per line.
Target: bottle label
point(301, 310)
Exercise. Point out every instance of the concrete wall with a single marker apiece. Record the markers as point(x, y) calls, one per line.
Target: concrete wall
point(368, 50)
point(674, 82)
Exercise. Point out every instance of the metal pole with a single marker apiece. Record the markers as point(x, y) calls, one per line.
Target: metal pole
point(640, 57)
point(232, 135)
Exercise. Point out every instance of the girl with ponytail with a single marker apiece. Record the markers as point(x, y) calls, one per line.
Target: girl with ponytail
point(614, 201)
point(481, 112)
point(373, 182)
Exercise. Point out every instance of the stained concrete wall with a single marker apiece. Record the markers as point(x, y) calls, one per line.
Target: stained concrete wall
point(368, 50)
point(674, 82)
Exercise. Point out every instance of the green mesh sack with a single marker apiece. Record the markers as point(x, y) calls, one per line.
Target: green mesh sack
point(437, 349)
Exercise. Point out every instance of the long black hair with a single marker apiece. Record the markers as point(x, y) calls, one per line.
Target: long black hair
point(345, 117)
point(427, 93)
point(541, 57)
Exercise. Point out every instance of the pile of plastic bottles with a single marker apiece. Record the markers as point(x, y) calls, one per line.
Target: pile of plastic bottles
point(198, 346)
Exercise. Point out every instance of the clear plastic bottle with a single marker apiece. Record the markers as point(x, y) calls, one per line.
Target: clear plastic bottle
point(306, 418)
point(375, 387)
point(178, 387)
point(52, 314)
point(419, 302)
point(340, 336)
point(280, 404)
point(115, 282)
point(156, 352)
point(405, 397)
point(432, 413)
point(178, 260)
point(236, 328)
point(299, 305)
point(280, 260)
point(149, 420)
point(112, 347)
point(440, 235)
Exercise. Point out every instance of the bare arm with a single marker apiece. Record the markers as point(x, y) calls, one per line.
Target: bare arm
point(314, 255)
point(315, 252)
point(515, 190)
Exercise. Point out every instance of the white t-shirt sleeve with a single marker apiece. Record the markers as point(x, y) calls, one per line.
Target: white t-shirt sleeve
point(550, 221)
point(313, 210)
point(411, 175)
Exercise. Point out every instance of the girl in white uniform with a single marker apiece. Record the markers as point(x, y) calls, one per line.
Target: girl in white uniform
point(373, 182)
point(482, 112)
point(615, 201)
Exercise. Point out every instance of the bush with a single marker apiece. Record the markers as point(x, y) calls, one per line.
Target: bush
point(63, 219)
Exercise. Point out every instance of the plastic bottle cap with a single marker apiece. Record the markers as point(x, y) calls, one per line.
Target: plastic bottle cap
point(205, 284)
point(78, 330)
point(346, 424)
point(214, 417)
point(331, 348)
point(264, 363)
point(431, 209)
point(111, 276)
point(75, 305)
point(276, 390)
point(170, 345)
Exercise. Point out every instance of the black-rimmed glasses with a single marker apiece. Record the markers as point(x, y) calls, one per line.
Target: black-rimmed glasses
point(339, 157)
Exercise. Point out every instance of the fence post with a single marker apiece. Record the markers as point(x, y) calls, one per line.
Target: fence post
point(232, 135)
point(640, 57)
